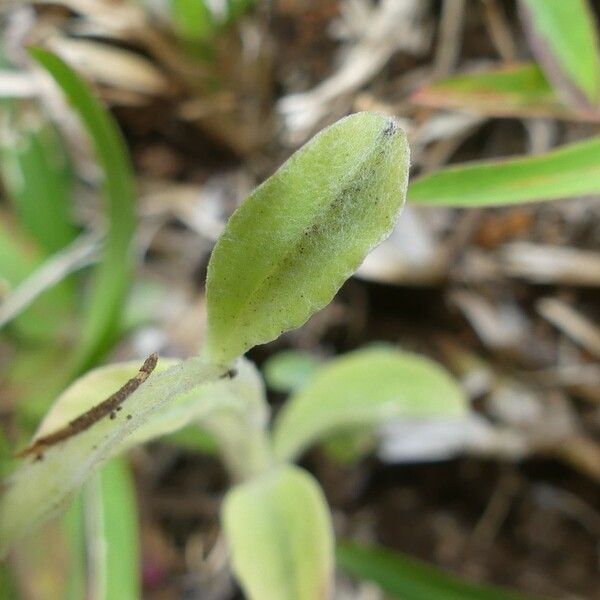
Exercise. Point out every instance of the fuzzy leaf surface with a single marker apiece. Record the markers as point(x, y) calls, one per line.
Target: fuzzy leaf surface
point(365, 388)
point(294, 241)
point(42, 487)
point(280, 536)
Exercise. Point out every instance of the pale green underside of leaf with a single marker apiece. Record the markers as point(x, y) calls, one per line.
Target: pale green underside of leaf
point(172, 396)
point(519, 90)
point(564, 40)
point(291, 245)
point(569, 171)
point(366, 388)
point(406, 578)
point(280, 536)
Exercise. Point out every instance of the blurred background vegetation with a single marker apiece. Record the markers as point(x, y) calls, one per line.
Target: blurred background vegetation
point(111, 202)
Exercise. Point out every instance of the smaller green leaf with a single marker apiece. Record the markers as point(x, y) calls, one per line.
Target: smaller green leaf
point(366, 388)
point(406, 578)
point(281, 540)
point(564, 39)
point(294, 241)
point(514, 91)
point(569, 171)
point(289, 370)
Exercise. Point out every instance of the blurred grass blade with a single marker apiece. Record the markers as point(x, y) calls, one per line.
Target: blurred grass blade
point(193, 20)
point(365, 388)
point(49, 478)
point(113, 274)
point(111, 533)
point(74, 532)
point(48, 275)
point(564, 39)
point(294, 241)
point(569, 171)
point(515, 91)
point(406, 578)
point(38, 179)
point(280, 536)
point(20, 256)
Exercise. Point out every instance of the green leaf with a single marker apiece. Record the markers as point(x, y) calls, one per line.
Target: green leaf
point(73, 528)
point(20, 256)
point(409, 579)
point(192, 20)
point(38, 180)
point(112, 536)
point(514, 91)
point(49, 479)
point(569, 171)
point(193, 439)
point(367, 388)
point(113, 275)
point(281, 540)
point(564, 40)
point(289, 370)
point(290, 246)
point(8, 586)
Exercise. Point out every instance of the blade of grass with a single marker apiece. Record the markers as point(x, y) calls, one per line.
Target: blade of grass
point(515, 91)
point(570, 171)
point(409, 579)
point(564, 40)
point(38, 179)
point(72, 524)
point(112, 536)
point(112, 276)
point(20, 256)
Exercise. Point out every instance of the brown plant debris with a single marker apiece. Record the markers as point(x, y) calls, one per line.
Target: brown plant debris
point(84, 421)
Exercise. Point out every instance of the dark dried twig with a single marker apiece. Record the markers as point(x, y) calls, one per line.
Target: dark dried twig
point(88, 418)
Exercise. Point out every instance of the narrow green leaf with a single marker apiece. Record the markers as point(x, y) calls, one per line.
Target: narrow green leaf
point(281, 540)
point(367, 388)
point(72, 523)
point(514, 91)
point(112, 276)
point(38, 180)
point(406, 578)
point(290, 246)
point(20, 256)
point(48, 480)
point(564, 39)
point(569, 171)
point(112, 536)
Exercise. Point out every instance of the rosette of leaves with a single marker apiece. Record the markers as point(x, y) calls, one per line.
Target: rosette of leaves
point(282, 257)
